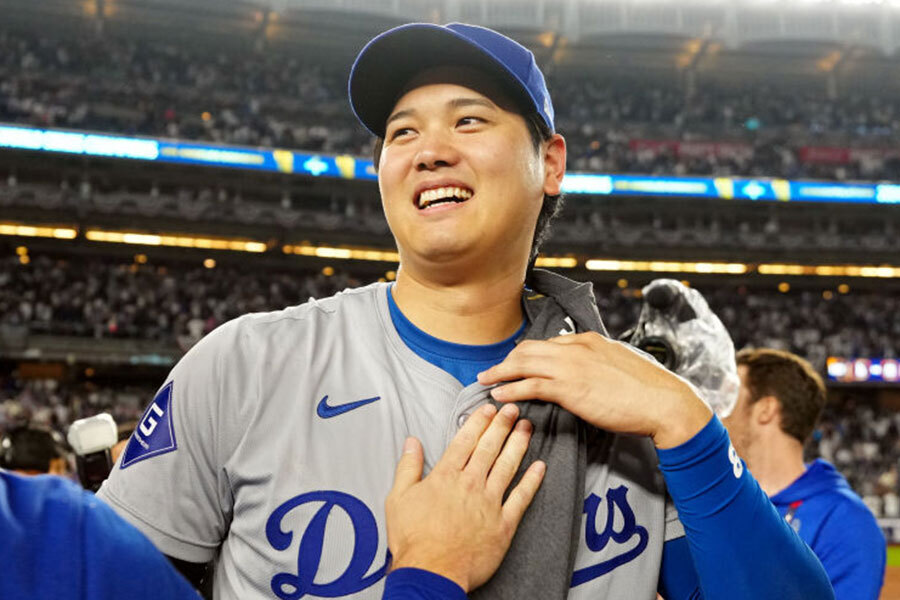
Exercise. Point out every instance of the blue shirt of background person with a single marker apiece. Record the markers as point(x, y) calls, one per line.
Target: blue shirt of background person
point(840, 529)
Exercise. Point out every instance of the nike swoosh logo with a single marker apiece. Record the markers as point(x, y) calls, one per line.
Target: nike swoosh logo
point(326, 411)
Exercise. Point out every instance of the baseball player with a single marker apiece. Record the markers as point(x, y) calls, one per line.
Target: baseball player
point(271, 447)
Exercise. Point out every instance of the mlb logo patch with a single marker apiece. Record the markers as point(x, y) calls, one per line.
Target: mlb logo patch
point(155, 434)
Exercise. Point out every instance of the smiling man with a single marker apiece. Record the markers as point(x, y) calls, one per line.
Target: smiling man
point(272, 446)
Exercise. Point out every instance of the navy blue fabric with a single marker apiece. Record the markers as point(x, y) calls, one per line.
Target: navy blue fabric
point(742, 549)
point(416, 584)
point(390, 60)
point(61, 542)
point(463, 361)
point(840, 529)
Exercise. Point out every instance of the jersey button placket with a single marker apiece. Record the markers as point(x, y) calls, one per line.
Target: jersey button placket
point(467, 402)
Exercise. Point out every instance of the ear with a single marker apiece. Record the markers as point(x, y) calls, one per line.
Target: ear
point(767, 410)
point(554, 164)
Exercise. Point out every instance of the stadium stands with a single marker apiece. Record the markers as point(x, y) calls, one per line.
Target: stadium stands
point(179, 303)
point(222, 94)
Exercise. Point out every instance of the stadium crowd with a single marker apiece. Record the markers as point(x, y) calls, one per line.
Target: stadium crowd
point(862, 440)
point(581, 223)
point(180, 303)
point(274, 98)
point(99, 299)
point(53, 404)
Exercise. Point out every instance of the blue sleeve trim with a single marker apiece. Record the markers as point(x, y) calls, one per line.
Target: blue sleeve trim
point(741, 547)
point(418, 584)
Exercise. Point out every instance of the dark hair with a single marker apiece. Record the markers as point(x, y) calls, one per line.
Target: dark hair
point(30, 449)
point(551, 205)
point(792, 380)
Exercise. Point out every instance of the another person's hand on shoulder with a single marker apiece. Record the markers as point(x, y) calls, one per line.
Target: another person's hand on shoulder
point(607, 383)
point(455, 522)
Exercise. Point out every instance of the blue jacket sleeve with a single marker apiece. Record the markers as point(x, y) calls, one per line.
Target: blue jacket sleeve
point(61, 542)
point(416, 584)
point(852, 549)
point(741, 548)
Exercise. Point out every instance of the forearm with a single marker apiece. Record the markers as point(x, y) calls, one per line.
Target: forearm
point(741, 547)
point(417, 584)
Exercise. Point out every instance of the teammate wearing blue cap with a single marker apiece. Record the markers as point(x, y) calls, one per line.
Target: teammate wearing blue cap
point(271, 447)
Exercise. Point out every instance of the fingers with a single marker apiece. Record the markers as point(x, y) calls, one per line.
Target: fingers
point(528, 359)
point(533, 388)
point(464, 442)
point(507, 464)
point(491, 443)
point(409, 467)
point(588, 337)
point(522, 495)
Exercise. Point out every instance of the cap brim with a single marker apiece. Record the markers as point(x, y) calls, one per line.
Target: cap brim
point(388, 62)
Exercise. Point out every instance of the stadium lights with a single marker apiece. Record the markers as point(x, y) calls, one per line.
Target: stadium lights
point(371, 254)
point(659, 266)
point(18, 229)
point(179, 241)
point(378, 255)
point(349, 167)
point(342, 253)
point(882, 271)
point(556, 262)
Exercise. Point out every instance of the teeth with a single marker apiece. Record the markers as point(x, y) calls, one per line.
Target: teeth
point(444, 193)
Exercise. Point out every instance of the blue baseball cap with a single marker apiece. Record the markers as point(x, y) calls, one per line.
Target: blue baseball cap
point(390, 60)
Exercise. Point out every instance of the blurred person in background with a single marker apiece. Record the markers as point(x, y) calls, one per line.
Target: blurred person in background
point(780, 401)
point(125, 431)
point(30, 450)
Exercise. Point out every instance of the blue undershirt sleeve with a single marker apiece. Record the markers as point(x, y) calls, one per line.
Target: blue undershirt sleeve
point(741, 548)
point(677, 576)
point(417, 584)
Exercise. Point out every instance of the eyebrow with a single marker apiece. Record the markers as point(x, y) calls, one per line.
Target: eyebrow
point(455, 103)
point(463, 102)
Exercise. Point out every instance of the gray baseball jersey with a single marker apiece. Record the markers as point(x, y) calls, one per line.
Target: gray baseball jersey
point(272, 446)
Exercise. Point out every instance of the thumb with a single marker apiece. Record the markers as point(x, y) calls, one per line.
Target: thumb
point(409, 468)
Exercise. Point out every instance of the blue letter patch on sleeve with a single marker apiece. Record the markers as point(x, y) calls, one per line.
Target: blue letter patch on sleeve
point(155, 434)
